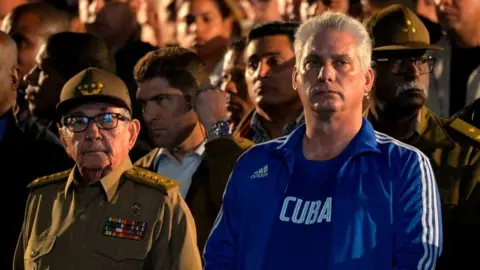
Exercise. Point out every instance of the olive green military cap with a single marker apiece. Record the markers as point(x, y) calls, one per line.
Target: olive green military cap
point(398, 28)
point(94, 85)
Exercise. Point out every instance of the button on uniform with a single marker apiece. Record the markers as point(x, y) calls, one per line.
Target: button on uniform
point(34, 253)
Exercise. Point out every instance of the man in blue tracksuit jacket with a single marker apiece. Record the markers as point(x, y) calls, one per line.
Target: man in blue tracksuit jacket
point(334, 194)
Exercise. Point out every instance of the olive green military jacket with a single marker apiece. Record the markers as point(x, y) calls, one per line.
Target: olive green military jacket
point(453, 148)
point(129, 219)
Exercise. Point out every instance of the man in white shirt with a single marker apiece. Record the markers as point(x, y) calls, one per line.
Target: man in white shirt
point(187, 122)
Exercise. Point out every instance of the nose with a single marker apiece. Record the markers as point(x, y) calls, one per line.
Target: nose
point(412, 71)
point(32, 77)
point(262, 69)
point(326, 73)
point(148, 112)
point(229, 86)
point(93, 132)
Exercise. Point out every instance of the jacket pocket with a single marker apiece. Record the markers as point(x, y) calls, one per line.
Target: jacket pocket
point(118, 253)
point(38, 254)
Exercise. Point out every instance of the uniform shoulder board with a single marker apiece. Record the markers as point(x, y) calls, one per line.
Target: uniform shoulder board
point(151, 179)
point(466, 129)
point(49, 179)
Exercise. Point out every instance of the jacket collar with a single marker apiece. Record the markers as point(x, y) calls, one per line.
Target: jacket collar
point(427, 130)
point(109, 182)
point(365, 141)
point(431, 130)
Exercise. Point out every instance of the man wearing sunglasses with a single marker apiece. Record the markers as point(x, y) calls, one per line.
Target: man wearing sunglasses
point(397, 107)
point(104, 213)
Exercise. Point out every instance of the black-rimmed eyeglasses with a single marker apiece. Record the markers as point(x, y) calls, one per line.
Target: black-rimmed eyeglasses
point(79, 123)
point(399, 66)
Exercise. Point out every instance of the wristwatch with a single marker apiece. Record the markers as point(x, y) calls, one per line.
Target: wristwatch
point(220, 128)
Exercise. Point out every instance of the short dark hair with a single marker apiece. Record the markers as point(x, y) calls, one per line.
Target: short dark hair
point(70, 53)
point(238, 45)
point(53, 19)
point(182, 68)
point(274, 29)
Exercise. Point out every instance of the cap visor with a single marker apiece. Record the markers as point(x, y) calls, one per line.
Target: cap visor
point(67, 105)
point(408, 46)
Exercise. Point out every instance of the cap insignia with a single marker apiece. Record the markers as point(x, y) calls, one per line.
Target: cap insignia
point(89, 89)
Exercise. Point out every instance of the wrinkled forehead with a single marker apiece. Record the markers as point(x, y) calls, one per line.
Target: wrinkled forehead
point(328, 43)
point(91, 109)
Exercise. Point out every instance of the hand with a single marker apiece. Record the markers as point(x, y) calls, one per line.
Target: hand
point(211, 107)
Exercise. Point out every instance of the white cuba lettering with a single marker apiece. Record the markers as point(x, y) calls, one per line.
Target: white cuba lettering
point(306, 212)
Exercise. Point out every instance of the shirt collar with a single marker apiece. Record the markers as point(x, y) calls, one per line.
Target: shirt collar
point(199, 151)
point(109, 182)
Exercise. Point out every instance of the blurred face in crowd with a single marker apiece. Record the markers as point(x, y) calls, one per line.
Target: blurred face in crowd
point(9, 77)
point(266, 10)
point(330, 78)
point(29, 36)
point(233, 82)
point(270, 61)
point(101, 144)
point(109, 19)
point(166, 22)
point(290, 9)
point(461, 16)
point(201, 27)
point(167, 112)
point(44, 84)
point(402, 79)
point(311, 8)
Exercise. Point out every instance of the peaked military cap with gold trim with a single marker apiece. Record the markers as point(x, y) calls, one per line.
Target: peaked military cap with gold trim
point(398, 28)
point(94, 85)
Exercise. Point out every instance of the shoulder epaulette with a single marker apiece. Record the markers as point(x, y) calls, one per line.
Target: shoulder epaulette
point(466, 129)
point(150, 179)
point(49, 179)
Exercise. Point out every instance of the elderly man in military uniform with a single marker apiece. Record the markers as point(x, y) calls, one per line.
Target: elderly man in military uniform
point(397, 107)
point(104, 213)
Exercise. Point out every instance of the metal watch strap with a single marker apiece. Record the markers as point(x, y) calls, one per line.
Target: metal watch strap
point(220, 128)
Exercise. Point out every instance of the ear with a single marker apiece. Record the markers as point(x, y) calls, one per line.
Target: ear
point(133, 130)
point(15, 78)
point(62, 133)
point(369, 80)
point(295, 82)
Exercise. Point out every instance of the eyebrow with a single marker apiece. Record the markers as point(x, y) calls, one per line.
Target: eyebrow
point(158, 95)
point(333, 56)
point(263, 55)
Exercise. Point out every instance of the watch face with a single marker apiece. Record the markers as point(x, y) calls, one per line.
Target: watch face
point(220, 128)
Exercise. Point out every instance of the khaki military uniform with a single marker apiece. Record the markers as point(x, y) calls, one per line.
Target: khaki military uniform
point(453, 147)
point(130, 219)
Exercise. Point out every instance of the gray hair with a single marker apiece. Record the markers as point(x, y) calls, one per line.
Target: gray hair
point(339, 22)
point(126, 113)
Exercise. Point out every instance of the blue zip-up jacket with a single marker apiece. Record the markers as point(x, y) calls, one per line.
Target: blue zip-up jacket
point(386, 211)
